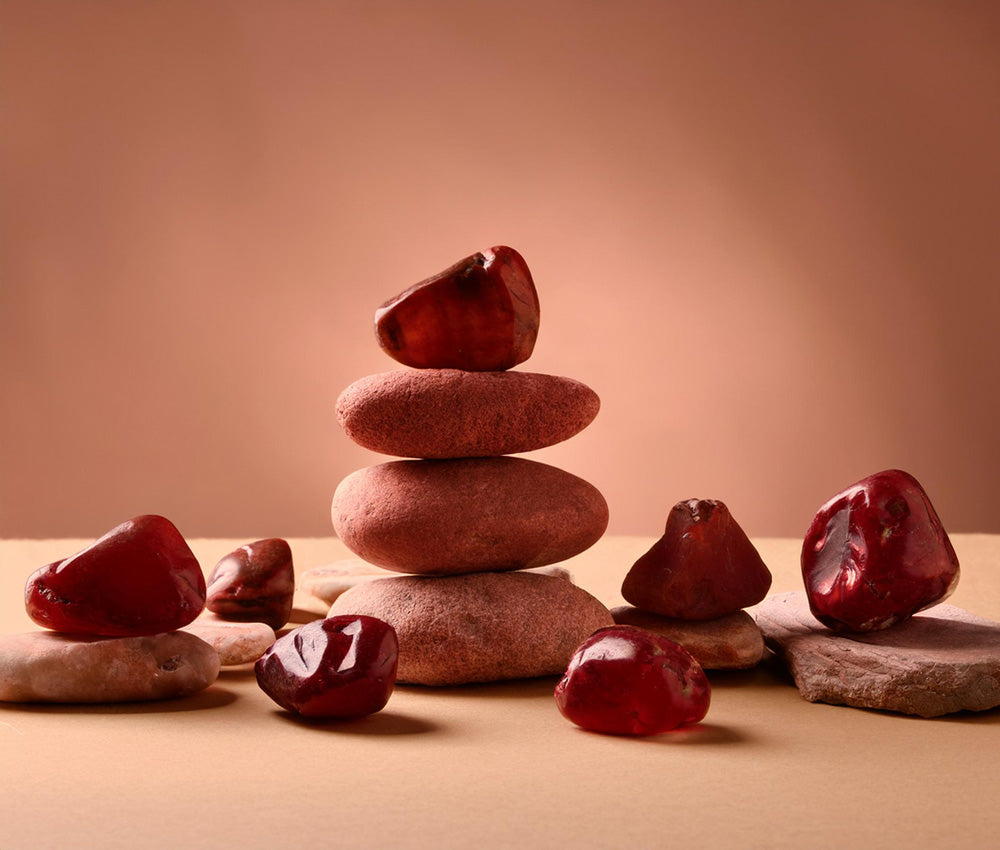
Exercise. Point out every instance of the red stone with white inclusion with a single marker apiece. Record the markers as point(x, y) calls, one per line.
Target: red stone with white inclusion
point(627, 681)
point(877, 553)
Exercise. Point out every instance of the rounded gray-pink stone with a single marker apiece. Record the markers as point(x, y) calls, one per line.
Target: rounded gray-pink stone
point(446, 517)
point(448, 413)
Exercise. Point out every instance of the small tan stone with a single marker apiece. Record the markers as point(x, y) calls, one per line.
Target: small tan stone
point(236, 643)
point(729, 643)
point(937, 662)
point(481, 627)
point(306, 607)
point(53, 667)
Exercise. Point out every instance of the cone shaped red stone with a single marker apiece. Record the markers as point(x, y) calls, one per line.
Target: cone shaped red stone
point(703, 567)
point(254, 583)
point(877, 553)
point(480, 315)
point(139, 579)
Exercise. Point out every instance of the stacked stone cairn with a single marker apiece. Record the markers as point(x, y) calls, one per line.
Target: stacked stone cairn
point(694, 583)
point(464, 522)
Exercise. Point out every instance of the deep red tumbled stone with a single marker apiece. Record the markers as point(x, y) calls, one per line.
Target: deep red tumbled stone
point(254, 583)
point(343, 666)
point(627, 681)
point(877, 553)
point(139, 579)
point(480, 315)
point(702, 568)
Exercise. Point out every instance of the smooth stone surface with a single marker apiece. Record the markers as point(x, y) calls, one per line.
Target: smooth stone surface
point(236, 642)
point(445, 517)
point(937, 662)
point(330, 581)
point(53, 667)
point(728, 643)
point(254, 583)
point(306, 607)
point(448, 413)
point(479, 628)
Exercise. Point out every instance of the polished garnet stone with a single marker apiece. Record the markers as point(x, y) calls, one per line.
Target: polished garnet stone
point(343, 666)
point(481, 315)
point(139, 579)
point(627, 681)
point(254, 583)
point(702, 568)
point(877, 553)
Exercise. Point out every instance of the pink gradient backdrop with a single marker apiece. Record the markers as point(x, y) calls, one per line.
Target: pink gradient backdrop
point(765, 233)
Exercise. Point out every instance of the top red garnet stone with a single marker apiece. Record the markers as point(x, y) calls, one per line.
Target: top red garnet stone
point(877, 553)
point(480, 315)
point(139, 579)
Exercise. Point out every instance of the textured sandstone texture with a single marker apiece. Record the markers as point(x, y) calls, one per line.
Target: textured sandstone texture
point(728, 643)
point(941, 661)
point(479, 628)
point(236, 643)
point(52, 667)
point(448, 413)
point(446, 517)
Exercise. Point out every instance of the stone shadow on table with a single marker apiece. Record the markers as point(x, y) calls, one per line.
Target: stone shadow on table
point(700, 734)
point(542, 687)
point(383, 722)
point(211, 697)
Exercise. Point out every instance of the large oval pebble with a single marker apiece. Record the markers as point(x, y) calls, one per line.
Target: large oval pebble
point(448, 413)
point(470, 515)
point(53, 667)
point(479, 628)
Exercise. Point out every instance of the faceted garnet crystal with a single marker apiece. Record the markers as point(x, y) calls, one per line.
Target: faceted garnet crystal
point(139, 579)
point(627, 681)
point(481, 315)
point(876, 554)
point(342, 666)
point(254, 583)
point(703, 567)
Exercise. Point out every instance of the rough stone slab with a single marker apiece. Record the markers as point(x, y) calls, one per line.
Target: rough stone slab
point(937, 662)
point(53, 667)
point(483, 627)
point(727, 643)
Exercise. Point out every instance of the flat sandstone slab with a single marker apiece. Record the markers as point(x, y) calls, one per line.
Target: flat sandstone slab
point(53, 667)
point(448, 413)
point(236, 642)
point(479, 628)
point(938, 662)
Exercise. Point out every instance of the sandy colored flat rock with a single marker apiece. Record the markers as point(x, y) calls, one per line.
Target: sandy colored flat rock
point(728, 643)
point(937, 662)
point(479, 628)
point(236, 643)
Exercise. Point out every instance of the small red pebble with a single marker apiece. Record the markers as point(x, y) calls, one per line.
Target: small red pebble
point(139, 579)
point(877, 553)
point(627, 681)
point(480, 315)
point(340, 667)
point(254, 583)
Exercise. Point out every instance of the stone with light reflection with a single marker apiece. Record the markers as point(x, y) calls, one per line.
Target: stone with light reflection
point(138, 579)
point(339, 667)
point(627, 681)
point(702, 568)
point(254, 583)
point(876, 554)
point(480, 315)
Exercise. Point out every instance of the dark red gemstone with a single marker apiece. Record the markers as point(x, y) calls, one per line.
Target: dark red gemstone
point(254, 583)
point(702, 568)
point(627, 681)
point(481, 315)
point(139, 579)
point(877, 553)
point(343, 666)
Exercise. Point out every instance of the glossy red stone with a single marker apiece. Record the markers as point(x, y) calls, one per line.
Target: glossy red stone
point(877, 553)
point(139, 579)
point(627, 681)
point(340, 667)
point(480, 315)
point(254, 583)
point(702, 568)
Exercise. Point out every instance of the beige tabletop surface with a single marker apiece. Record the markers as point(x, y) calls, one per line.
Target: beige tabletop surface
point(496, 766)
